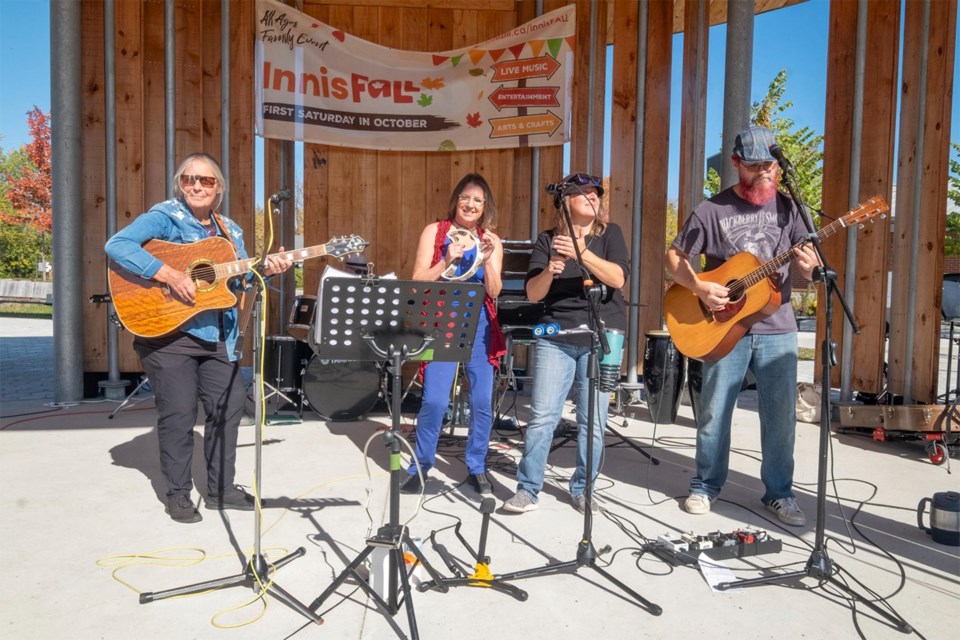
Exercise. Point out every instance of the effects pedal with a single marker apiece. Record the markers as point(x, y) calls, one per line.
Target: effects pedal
point(686, 548)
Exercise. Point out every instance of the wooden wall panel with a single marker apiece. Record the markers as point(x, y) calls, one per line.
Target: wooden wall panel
point(129, 128)
point(693, 109)
point(875, 161)
point(154, 113)
point(94, 187)
point(921, 198)
point(653, 208)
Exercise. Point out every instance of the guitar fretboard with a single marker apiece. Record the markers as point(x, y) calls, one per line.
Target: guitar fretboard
point(239, 267)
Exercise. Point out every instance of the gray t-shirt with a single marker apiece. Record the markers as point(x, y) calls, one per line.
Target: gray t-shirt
point(726, 225)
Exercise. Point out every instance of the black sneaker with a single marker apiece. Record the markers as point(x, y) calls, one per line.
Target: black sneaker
point(480, 483)
point(412, 485)
point(234, 497)
point(181, 509)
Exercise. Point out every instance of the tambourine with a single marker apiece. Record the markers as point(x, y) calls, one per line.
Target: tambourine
point(457, 234)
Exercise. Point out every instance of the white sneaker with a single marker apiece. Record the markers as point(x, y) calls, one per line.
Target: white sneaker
point(788, 511)
point(697, 504)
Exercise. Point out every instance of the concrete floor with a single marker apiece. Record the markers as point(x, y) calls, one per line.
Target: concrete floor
point(84, 530)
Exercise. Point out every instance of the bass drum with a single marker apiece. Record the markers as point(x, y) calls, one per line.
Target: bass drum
point(341, 390)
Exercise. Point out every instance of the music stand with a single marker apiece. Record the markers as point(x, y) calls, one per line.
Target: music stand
point(257, 571)
point(396, 320)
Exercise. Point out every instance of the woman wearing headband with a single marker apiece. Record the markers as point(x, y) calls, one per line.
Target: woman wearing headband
point(462, 248)
point(555, 277)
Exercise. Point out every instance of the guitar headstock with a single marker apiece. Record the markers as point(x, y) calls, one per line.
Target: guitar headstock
point(866, 211)
point(339, 247)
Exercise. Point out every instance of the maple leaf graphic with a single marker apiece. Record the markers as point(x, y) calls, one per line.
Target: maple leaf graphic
point(432, 83)
point(473, 119)
point(425, 100)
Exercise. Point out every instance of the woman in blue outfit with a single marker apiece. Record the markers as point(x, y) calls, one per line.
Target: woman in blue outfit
point(445, 248)
point(197, 362)
point(555, 277)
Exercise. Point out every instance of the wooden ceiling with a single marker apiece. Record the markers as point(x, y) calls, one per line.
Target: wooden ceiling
point(718, 10)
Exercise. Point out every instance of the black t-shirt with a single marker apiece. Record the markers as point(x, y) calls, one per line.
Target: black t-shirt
point(566, 302)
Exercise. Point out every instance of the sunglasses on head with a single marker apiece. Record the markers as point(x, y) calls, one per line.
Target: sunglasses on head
point(208, 182)
point(583, 180)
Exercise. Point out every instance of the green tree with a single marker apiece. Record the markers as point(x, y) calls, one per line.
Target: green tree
point(21, 247)
point(800, 144)
point(951, 245)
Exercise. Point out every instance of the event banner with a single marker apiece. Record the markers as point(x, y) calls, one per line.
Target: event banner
point(319, 84)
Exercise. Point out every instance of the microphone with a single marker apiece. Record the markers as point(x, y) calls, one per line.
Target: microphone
point(556, 188)
point(777, 153)
point(280, 196)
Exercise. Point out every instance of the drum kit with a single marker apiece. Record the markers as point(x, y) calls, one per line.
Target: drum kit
point(337, 390)
point(342, 390)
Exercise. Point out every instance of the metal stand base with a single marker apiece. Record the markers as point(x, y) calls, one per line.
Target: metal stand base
point(255, 576)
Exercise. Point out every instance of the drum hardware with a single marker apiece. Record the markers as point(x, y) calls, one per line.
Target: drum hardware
point(301, 320)
point(663, 372)
point(341, 390)
point(284, 362)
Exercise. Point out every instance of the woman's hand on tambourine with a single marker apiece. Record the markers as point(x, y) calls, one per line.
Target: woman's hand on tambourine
point(488, 245)
point(454, 252)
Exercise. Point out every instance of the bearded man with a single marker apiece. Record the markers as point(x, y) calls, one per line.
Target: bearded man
point(752, 216)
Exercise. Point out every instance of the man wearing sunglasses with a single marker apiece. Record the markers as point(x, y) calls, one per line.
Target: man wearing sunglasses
point(197, 362)
point(560, 361)
point(751, 216)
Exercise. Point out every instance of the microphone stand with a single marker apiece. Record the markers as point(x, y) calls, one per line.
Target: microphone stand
point(586, 552)
point(819, 565)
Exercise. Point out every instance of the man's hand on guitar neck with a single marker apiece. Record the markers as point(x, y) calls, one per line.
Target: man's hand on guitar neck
point(806, 259)
point(179, 283)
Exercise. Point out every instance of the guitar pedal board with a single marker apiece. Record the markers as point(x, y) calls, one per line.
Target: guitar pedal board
point(686, 548)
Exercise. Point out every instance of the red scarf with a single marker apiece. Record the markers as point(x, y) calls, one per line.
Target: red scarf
point(498, 344)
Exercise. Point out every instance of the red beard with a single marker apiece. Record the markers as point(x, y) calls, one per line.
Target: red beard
point(758, 191)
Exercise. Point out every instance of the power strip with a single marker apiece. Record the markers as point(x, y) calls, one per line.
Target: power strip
point(687, 548)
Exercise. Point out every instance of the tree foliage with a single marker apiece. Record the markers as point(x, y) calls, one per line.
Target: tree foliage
point(951, 245)
point(801, 145)
point(27, 186)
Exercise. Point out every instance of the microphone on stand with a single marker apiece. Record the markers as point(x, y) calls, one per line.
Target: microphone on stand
point(781, 159)
point(280, 196)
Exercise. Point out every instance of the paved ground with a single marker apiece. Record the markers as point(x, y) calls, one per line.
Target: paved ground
point(83, 531)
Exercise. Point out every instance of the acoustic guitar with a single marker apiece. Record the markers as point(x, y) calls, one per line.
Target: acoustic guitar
point(709, 335)
point(148, 309)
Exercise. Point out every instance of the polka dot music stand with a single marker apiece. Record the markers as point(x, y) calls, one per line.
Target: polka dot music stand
point(394, 320)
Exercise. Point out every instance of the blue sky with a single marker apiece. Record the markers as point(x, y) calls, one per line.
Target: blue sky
point(793, 38)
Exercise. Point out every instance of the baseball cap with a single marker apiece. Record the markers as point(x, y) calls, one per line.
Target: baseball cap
point(753, 144)
point(575, 182)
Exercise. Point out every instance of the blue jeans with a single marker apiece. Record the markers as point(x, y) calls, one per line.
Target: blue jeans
point(557, 367)
point(437, 383)
point(773, 361)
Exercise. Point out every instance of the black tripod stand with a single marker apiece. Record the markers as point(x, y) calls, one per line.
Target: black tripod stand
point(819, 565)
point(257, 572)
point(586, 553)
point(414, 320)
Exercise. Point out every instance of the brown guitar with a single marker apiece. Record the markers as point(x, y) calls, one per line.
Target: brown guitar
point(148, 309)
point(708, 335)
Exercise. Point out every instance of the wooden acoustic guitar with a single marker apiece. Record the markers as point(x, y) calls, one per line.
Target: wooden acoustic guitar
point(709, 335)
point(148, 309)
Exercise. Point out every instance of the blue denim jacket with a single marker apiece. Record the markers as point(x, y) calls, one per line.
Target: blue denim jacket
point(173, 221)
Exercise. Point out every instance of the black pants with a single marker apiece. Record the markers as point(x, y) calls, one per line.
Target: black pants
point(182, 371)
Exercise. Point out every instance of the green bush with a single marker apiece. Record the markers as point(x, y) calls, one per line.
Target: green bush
point(20, 250)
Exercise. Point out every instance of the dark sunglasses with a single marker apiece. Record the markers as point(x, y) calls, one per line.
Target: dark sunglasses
point(208, 182)
point(583, 180)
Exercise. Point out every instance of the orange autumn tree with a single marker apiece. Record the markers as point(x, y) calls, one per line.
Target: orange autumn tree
point(28, 187)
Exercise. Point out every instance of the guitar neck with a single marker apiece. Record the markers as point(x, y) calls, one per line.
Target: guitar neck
point(774, 265)
point(240, 267)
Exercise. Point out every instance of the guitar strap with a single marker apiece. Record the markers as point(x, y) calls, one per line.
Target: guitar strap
point(245, 301)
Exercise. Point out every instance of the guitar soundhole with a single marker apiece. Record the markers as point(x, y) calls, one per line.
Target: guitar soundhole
point(204, 275)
